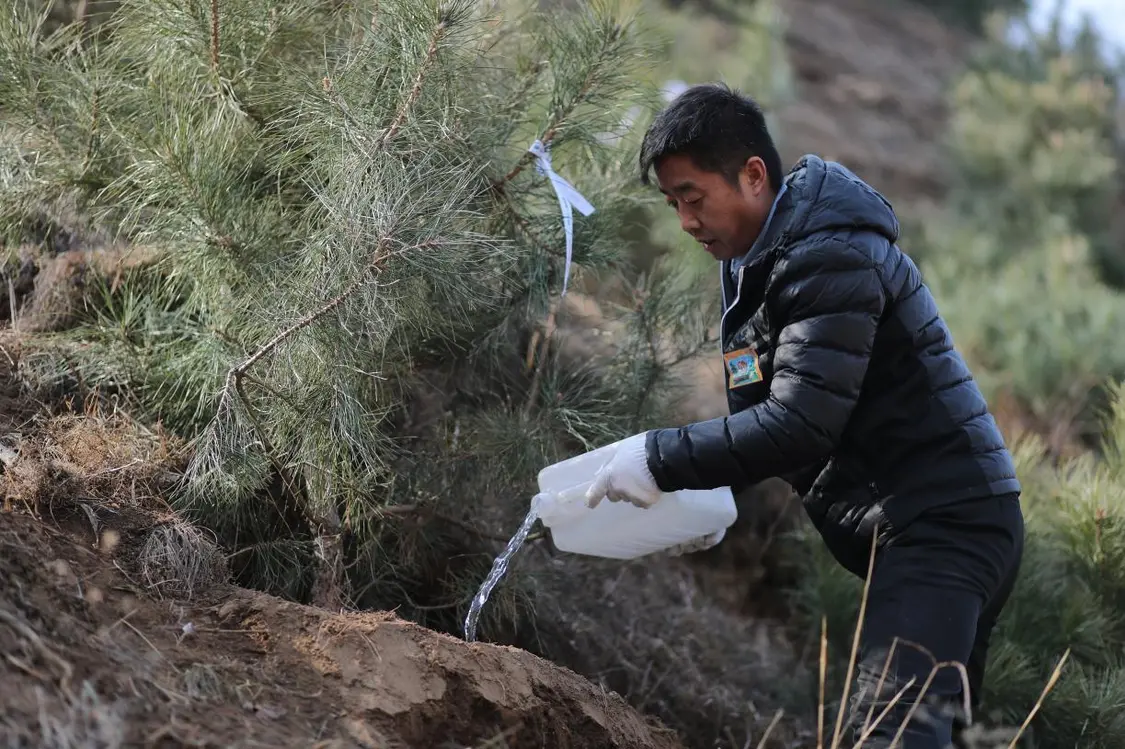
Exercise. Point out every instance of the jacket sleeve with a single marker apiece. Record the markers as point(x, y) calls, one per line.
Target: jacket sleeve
point(828, 298)
point(802, 481)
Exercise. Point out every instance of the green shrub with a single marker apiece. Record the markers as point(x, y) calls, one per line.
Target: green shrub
point(1041, 328)
point(1070, 596)
point(1022, 262)
point(1032, 140)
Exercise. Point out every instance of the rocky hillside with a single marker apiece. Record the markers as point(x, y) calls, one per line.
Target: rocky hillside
point(871, 78)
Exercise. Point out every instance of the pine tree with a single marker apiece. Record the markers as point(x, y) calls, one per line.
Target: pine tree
point(354, 305)
point(1032, 141)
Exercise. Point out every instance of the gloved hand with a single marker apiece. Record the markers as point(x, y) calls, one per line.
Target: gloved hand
point(626, 477)
point(697, 544)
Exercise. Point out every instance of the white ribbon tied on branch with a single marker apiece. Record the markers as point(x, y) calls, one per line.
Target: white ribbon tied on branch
point(569, 199)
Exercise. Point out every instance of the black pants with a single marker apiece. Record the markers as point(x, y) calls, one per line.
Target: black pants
point(938, 586)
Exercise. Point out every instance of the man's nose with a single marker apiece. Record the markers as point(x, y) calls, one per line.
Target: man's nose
point(688, 222)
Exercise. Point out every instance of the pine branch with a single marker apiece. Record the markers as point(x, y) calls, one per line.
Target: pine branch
point(559, 118)
point(537, 375)
point(236, 385)
point(215, 37)
point(263, 437)
point(93, 132)
point(416, 89)
point(373, 267)
point(525, 226)
point(327, 528)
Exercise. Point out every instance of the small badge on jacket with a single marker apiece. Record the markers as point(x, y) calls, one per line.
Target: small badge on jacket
point(742, 366)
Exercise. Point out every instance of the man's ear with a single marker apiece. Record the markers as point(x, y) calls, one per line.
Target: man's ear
point(754, 176)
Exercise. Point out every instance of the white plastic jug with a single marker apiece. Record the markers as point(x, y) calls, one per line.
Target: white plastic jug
point(620, 530)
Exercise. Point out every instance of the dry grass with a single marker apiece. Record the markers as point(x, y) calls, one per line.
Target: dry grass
point(975, 737)
point(693, 641)
point(179, 560)
point(97, 455)
point(69, 716)
point(203, 683)
point(113, 472)
point(646, 631)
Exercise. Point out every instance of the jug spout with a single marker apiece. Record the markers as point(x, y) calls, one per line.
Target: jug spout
point(553, 508)
point(541, 500)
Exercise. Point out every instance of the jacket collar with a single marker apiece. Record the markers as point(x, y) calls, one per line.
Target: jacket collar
point(816, 195)
point(761, 239)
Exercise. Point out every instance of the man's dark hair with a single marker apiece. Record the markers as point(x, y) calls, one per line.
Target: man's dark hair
point(717, 128)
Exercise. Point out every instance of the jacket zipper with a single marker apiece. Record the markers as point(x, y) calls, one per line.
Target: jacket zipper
point(723, 286)
point(732, 305)
point(779, 242)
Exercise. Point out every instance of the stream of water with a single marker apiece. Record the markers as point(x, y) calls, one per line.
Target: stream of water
point(499, 567)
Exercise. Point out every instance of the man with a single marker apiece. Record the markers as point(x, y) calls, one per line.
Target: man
point(841, 377)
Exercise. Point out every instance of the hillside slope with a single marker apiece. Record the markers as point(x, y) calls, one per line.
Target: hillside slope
point(96, 659)
point(871, 77)
point(119, 629)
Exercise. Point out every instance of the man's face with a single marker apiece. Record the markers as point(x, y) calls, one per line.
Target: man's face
point(725, 218)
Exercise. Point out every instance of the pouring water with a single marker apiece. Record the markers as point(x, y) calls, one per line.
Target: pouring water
point(499, 567)
point(612, 530)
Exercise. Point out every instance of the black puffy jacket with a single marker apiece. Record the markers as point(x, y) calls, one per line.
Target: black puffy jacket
point(844, 372)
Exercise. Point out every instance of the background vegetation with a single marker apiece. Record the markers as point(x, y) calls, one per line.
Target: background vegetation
point(1026, 264)
point(341, 192)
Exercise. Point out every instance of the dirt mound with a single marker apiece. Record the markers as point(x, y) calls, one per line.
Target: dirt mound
point(94, 659)
point(426, 688)
point(118, 629)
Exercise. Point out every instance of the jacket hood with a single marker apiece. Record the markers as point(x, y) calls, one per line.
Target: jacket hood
point(826, 196)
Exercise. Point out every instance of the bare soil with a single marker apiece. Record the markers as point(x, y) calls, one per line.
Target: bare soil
point(871, 79)
point(98, 654)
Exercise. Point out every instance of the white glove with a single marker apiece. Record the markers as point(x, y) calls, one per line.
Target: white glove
point(697, 544)
point(626, 477)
